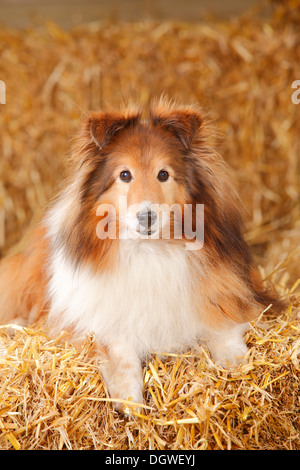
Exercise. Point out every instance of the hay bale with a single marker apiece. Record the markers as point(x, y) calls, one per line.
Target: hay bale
point(52, 396)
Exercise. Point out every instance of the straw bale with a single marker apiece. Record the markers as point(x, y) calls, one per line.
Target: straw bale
point(52, 395)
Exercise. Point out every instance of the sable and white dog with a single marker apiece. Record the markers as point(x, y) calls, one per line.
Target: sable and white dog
point(114, 273)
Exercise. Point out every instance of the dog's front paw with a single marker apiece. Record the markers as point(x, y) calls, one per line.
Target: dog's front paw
point(228, 347)
point(126, 397)
point(229, 357)
point(122, 373)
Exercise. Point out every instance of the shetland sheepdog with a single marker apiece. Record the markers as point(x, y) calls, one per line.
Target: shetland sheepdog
point(92, 265)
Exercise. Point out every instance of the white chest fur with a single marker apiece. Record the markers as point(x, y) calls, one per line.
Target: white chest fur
point(146, 301)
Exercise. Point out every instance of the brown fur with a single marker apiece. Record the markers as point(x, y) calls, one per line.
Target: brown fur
point(23, 281)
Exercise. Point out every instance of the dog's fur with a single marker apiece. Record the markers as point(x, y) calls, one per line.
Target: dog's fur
point(139, 295)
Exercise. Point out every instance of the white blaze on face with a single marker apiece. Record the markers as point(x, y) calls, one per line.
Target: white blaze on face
point(139, 220)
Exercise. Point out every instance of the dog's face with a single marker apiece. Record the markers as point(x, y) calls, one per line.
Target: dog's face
point(138, 174)
point(145, 185)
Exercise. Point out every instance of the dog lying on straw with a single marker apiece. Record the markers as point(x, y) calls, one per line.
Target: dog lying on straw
point(143, 247)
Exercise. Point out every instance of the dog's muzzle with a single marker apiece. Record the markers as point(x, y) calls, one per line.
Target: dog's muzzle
point(146, 219)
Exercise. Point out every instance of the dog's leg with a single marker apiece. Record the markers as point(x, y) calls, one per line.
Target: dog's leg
point(227, 346)
point(122, 373)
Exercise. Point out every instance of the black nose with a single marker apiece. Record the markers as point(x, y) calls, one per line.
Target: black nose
point(146, 218)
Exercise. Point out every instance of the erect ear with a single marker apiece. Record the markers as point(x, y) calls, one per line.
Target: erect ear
point(102, 126)
point(184, 124)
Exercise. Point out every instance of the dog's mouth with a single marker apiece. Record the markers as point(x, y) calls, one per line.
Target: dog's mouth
point(147, 232)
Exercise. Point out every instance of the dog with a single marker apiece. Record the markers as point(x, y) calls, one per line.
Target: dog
point(92, 266)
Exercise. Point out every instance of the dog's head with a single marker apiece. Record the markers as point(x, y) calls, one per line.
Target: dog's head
point(139, 170)
point(146, 178)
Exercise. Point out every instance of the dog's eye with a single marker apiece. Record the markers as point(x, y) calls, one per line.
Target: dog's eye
point(163, 175)
point(126, 176)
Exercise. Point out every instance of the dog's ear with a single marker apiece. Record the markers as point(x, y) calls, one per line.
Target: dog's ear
point(101, 127)
point(184, 124)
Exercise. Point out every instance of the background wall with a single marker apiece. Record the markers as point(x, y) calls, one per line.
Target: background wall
point(72, 12)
